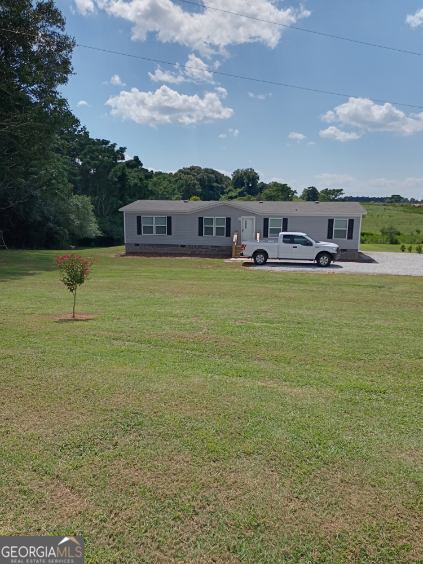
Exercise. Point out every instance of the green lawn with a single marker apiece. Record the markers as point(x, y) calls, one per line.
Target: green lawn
point(212, 413)
point(382, 247)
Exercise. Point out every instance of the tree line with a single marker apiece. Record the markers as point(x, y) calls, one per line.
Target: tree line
point(60, 186)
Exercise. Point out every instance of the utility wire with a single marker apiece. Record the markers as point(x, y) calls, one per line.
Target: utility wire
point(245, 77)
point(232, 75)
point(305, 29)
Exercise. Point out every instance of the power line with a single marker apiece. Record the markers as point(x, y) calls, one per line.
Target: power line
point(232, 75)
point(244, 77)
point(306, 30)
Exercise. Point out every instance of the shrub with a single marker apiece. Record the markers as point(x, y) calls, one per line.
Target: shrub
point(410, 248)
point(419, 249)
point(403, 247)
point(74, 271)
point(390, 235)
point(368, 237)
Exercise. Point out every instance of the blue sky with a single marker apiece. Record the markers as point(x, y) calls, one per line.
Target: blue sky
point(174, 117)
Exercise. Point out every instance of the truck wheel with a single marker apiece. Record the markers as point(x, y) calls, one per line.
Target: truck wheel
point(324, 259)
point(260, 257)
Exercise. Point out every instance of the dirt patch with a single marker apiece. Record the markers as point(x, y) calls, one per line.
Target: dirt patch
point(78, 317)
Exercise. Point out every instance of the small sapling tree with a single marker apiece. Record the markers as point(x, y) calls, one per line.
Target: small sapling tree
point(74, 270)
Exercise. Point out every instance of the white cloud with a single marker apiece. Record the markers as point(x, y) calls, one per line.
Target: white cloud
point(296, 136)
point(337, 134)
point(231, 132)
point(411, 187)
point(334, 180)
point(415, 20)
point(206, 30)
point(160, 75)
point(194, 70)
point(260, 96)
point(167, 106)
point(197, 70)
point(221, 91)
point(366, 116)
point(84, 7)
point(116, 80)
point(82, 103)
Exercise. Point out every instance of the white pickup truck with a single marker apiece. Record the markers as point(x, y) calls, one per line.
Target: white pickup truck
point(290, 246)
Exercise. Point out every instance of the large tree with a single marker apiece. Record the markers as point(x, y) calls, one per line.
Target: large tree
point(35, 60)
point(330, 194)
point(98, 169)
point(310, 194)
point(277, 191)
point(162, 186)
point(246, 181)
point(211, 183)
point(54, 216)
point(189, 182)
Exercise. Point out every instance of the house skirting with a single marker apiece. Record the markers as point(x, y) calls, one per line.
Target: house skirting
point(214, 251)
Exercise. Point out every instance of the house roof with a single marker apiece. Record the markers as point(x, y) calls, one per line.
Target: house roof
point(260, 208)
point(178, 206)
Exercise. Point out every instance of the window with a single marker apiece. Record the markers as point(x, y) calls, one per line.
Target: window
point(300, 240)
point(214, 226)
point(154, 225)
point(275, 226)
point(340, 227)
point(297, 240)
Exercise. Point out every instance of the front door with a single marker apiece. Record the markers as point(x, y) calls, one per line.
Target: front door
point(248, 228)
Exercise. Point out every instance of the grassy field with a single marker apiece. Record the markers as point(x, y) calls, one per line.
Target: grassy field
point(385, 247)
point(212, 413)
point(405, 218)
point(382, 247)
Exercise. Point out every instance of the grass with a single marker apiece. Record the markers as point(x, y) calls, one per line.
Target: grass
point(381, 247)
point(405, 218)
point(385, 247)
point(211, 413)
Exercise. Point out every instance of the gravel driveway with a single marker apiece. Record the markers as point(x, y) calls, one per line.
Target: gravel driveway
point(404, 264)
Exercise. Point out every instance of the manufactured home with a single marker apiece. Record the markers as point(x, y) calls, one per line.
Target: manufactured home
point(179, 227)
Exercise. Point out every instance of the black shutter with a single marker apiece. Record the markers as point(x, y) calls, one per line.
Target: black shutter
point(265, 227)
point(330, 229)
point(139, 225)
point(285, 224)
point(169, 225)
point(200, 226)
point(228, 227)
point(350, 229)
